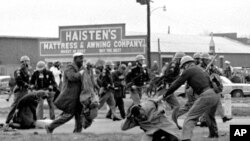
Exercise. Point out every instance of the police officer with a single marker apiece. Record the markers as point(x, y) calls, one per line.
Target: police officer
point(207, 102)
point(106, 89)
point(171, 73)
point(119, 83)
point(206, 58)
point(22, 78)
point(136, 78)
point(43, 79)
point(190, 94)
point(197, 58)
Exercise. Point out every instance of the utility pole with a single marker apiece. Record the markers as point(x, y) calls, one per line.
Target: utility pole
point(147, 2)
point(148, 35)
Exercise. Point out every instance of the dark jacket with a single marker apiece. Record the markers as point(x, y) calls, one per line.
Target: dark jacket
point(172, 72)
point(42, 80)
point(68, 100)
point(195, 76)
point(105, 79)
point(22, 78)
point(117, 80)
point(138, 76)
point(26, 110)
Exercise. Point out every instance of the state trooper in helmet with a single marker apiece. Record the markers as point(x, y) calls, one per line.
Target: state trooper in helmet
point(136, 78)
point(206, 103)
point(197, 58)
point(171, 73)
point(213, 71)
point(190, 94)
point(205, 59)
point(105, 83)
point(22, 78)
point(43, 79)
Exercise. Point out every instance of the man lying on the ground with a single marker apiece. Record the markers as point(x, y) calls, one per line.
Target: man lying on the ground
point(25, 110)
point(152, 121)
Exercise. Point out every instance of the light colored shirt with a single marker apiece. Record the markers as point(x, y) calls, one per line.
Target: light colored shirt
point(56, 74)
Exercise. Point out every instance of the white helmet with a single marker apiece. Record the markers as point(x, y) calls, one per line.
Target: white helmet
point(186, 59)
point(227, 62)
point(24, 58)
point(139, 57)
point(40, 65)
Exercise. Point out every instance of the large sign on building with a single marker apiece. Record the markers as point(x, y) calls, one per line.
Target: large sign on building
point(93, 40)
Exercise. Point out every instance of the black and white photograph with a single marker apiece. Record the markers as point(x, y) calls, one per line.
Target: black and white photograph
point(125, 70)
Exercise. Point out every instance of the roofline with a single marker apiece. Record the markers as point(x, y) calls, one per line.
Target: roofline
point(26, 37)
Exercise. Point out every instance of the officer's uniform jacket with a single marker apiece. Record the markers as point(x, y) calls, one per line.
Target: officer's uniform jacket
point(117, 78)
point(22, 79)
point(42, 80)
point(138, 76)
point(105, 80)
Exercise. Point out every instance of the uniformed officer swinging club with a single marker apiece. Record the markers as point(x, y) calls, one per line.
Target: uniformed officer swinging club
point(207, 102)
point(22, 78)
point(136, 78)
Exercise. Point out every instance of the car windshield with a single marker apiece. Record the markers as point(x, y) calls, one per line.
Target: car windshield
point(225, 80)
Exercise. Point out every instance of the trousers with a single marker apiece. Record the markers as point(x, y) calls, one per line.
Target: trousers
point(65, 117)
point(39, 110)
point(205, 104)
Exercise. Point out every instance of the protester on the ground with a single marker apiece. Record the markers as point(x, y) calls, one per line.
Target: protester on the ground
point(43, 79)
point(207, 102)
point(68, 101)
point(25, 110)
point(152, 120)
point(22, 79)
point(136, 78)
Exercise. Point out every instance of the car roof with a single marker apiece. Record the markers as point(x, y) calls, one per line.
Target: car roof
point(4, 76)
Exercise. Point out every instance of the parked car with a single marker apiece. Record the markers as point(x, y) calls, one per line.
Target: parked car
point(4, 83)
point(235, 89)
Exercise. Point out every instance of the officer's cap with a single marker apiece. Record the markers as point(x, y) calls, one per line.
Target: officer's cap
point(77, 54)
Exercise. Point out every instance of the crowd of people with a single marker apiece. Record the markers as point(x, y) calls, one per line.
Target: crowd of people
point(81, 89)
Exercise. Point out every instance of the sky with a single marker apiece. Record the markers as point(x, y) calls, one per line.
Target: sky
point(41, 18)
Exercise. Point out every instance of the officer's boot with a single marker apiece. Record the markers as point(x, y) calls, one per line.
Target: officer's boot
point(225, 119)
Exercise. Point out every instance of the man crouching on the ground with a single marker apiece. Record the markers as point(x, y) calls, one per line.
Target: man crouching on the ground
point(25, 111)
point(152, 121)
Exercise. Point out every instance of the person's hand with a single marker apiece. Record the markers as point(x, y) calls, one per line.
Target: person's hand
point(81, 72)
